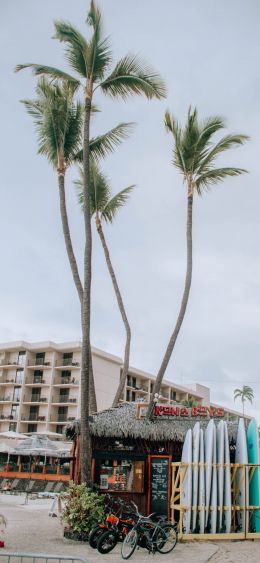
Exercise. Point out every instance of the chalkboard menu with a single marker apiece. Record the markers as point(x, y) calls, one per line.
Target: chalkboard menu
point(159, 480)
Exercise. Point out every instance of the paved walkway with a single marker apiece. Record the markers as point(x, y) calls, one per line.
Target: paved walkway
point(30, 529)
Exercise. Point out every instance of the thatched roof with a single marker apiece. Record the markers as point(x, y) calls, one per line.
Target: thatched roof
point(121, 422)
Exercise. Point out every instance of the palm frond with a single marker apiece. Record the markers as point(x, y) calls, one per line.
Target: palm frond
point(76, 46)
point(216, 175)
point(105, 144)
point(51, 72)
point(173, 127)
point(226, 143)
point(99, 190)
point(115, 203)
point(58, 120)
point(94, 15)
point(132, 76)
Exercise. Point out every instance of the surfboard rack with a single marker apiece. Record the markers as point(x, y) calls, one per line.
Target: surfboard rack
point(240, 475)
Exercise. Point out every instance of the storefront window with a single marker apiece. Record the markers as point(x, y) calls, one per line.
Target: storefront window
point(121, 475)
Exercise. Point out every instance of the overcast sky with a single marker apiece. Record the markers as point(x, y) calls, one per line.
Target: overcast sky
point(208, 54)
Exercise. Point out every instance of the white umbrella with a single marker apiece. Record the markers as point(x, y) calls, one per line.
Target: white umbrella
point(12, 434)
point(6, 449)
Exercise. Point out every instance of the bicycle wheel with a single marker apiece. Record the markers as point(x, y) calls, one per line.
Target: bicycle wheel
point(129, 544)
point(95, 534)
point(165, 538)
point(107, 541)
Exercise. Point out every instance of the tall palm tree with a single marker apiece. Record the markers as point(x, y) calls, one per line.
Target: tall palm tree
point(104, 207)
point(194, 155)
point(91, 59)
point(58, 120)
point(244, 394)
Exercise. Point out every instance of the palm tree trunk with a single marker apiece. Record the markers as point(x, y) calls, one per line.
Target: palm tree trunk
point(85, 438)
point(74, 269)
point(183, 307)
point(123, 377)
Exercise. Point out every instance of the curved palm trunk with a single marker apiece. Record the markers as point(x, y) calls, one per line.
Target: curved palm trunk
point(85, 438)
point(74, 269)
point(123, 377)
point(183, 307)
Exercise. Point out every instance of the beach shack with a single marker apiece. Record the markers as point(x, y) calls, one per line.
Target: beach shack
point(132, 456)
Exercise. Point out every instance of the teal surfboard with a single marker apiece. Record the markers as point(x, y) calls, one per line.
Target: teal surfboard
point(254, 486)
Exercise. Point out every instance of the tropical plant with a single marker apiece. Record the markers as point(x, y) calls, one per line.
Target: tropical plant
point(194, 156)
point(91, 59)
point(58, 120)
point(104, 207)
point(244, 394)
point(83, 509)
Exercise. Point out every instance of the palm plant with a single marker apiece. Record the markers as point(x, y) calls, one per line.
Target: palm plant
point(194, 155)
point(91, 60)
point(58, 120)
point(190, 402)
point(244, 394)
point(104, 207)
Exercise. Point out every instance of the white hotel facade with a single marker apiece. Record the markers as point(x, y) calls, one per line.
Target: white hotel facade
point(40, 385)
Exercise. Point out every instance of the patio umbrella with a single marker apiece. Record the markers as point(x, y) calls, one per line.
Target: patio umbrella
point(40, 445)
point(6, 449)
point(12, 434)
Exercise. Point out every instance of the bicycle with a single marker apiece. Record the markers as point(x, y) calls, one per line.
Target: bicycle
point(159, 536)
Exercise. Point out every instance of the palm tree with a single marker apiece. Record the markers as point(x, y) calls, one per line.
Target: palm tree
point(194, 155)
point(58, 119)
point(244, 394)
point(91, 60)
point(104, 207)
point(190, 402)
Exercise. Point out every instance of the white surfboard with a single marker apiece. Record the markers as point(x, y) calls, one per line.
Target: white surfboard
point(213, 494)
point(241, 476)
point(220, 473)
point(208, 465)
point(195, 473)
point(201, 485)
point(227, 484)
point(186, 496)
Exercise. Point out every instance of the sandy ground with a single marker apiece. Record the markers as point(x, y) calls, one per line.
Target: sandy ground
point(30, 529)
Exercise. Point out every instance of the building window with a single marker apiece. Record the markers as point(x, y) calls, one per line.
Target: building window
point(21, 358)
point(12, 426)
point(34, 412)
point(173, 395)
point(128, 381)
point(121, 475)
point(59, 429)
point(67, 358)
point(17, 394)
point(14, 412)
point(32, 428)
point(151, 388)
point(64, 395)
point(19, 376)
point(39, 358)
point(62, 414)
point(37, 376)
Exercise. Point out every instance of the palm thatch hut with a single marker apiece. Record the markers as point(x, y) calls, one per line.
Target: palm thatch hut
point(129, 451)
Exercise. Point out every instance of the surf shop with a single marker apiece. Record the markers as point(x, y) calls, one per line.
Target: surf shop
point(189, 463)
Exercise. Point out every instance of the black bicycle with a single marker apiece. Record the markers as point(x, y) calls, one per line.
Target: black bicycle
point(159, 536)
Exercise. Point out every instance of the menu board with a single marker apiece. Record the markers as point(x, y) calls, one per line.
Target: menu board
point(159, 480)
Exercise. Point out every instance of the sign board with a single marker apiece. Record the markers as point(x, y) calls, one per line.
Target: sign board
point(159, 484)
point(179, 411)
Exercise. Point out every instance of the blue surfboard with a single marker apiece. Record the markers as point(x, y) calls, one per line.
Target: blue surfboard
point(254, 485)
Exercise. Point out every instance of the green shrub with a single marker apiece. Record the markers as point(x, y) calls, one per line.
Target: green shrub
point(83, 509)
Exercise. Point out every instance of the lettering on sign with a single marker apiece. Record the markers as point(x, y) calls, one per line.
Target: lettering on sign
point(200, 411)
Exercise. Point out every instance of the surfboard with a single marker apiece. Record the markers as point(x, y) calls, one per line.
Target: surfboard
point(227, 484)
point(220, 472)
point(208, 463)
point(254, 485)
point(201, 485)
point(195, 473)
point(213, 494)
point(186, 496)
point(241, 476)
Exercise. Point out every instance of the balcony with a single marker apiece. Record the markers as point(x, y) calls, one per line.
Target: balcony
point(6, 400)
point(69, 381)
point(11, 382)
point(64, 400)
point(8, 417)
point(36, 364)
point(9, 363)
point(67, 362)
point(36, 381)
point(35, 399)
point(33, 417)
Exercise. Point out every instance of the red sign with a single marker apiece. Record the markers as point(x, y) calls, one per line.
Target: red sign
point(200, 411)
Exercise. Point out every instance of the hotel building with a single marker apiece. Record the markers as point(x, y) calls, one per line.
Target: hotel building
point(40, 385)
